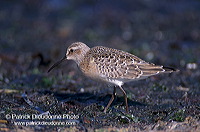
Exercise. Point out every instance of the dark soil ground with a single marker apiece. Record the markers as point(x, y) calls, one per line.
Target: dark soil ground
point(34, 34)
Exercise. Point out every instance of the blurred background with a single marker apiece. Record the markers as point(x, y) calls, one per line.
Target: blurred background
point(35, 33)
point(164, 32)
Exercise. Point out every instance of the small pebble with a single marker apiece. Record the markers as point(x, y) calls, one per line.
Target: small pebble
point(191, 66)
point(82, 90)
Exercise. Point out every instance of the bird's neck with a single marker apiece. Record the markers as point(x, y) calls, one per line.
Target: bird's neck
point(80, 57)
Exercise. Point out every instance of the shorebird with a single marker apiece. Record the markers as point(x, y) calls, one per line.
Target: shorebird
point(111, 66)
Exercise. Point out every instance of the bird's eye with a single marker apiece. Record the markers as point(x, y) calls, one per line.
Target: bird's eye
point(71, 50)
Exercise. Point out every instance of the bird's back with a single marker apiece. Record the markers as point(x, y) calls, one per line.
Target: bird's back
point(113, 65)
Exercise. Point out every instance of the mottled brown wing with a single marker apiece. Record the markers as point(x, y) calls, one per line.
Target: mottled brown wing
point(113, 63)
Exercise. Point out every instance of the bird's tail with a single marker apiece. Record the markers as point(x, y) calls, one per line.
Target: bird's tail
point(169, 69)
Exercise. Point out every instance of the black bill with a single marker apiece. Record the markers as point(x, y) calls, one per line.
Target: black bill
point(57, 63)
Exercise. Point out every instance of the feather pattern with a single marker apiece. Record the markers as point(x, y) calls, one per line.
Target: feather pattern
point(119, 65)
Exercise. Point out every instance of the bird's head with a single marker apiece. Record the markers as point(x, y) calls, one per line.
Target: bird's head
point(76, 51)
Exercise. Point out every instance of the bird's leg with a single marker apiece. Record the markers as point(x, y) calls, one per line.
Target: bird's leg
point(125, 98)
point(111, 100)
